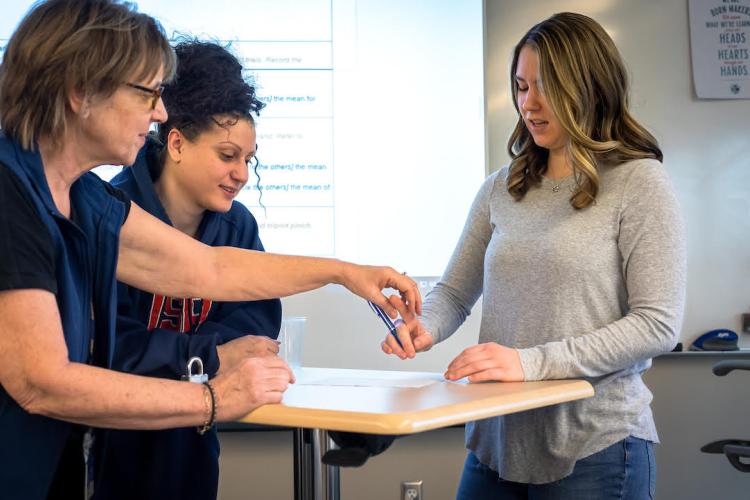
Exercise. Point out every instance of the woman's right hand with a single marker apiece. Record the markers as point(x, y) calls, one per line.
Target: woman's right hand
point(369, 281)
point(252, 383)
point(412, 334)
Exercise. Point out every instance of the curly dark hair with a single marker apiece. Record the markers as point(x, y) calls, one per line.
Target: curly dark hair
point(208, 83)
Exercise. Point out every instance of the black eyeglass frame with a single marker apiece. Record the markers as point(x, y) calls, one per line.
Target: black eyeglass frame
point(155, 93)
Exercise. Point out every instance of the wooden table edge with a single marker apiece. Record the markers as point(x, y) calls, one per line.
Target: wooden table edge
point(416, 421)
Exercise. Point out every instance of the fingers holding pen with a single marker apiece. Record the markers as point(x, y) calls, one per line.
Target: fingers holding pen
point(403, 310)
point(421, 339)
point(404, 338)
point(400, 340)
point(410, 292)
point(411, 334)
point(370, 281)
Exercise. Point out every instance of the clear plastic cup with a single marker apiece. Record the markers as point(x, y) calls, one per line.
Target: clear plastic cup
point(292, 336)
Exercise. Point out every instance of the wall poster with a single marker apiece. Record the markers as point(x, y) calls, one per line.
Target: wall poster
point(720, 48)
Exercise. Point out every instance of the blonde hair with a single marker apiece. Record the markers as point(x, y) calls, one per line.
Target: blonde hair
point(585, 84)
point(66, 46)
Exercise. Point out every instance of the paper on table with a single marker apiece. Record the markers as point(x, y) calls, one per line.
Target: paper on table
point(370, 382)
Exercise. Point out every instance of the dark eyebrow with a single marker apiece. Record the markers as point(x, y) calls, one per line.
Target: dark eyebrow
point(236, 146)
point(520, 78)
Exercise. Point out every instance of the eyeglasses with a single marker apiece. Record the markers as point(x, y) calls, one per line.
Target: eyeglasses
point(155, 93)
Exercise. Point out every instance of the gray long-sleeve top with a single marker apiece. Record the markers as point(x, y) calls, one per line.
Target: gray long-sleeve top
point(592, 293)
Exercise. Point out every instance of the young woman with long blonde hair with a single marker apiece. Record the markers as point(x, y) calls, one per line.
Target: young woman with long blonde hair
point(578, 251)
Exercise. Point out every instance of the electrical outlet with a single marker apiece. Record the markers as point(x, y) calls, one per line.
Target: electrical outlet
point(411, 490)
point(746, 322)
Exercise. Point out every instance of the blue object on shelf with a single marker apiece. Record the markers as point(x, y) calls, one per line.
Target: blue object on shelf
point(716, 340)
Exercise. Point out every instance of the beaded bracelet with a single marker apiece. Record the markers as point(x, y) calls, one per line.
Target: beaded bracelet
point(209, 397)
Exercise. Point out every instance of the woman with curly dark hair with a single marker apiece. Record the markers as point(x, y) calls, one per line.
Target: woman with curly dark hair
point(188, 177)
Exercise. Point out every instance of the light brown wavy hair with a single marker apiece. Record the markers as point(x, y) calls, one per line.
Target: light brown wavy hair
point(585, 83)
point(66, 46)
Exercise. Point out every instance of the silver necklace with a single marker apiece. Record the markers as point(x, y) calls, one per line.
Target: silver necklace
point(557, 184)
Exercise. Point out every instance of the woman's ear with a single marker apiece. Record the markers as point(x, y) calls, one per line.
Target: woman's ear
point(80, 103)
point(175, 143)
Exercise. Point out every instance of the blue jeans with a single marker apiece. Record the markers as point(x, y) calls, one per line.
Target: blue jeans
point(624, 471)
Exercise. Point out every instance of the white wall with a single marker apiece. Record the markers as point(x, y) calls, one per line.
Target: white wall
point(706, 144)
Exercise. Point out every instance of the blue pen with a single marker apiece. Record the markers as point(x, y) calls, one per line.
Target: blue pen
point(391, 327)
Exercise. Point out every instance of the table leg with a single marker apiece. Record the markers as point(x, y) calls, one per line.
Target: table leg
point(313, 480)
point(302, 467)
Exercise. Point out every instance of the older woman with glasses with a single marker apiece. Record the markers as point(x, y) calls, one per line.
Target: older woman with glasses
point(154, 93)
point(79, 87)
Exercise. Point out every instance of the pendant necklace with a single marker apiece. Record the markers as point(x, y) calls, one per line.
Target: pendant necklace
point(559, 184)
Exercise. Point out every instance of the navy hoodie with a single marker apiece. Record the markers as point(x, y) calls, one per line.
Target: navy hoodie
point(156, 336)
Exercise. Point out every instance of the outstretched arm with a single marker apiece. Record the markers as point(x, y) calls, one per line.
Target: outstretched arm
point(160, 259)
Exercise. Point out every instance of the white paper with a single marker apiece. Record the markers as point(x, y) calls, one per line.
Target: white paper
point(370, 382)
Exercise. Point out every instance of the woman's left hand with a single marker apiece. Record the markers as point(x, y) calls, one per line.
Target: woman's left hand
point(248, 346)
point(485, 362)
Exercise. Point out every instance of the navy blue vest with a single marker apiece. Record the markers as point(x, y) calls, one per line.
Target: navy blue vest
point(86, 259)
